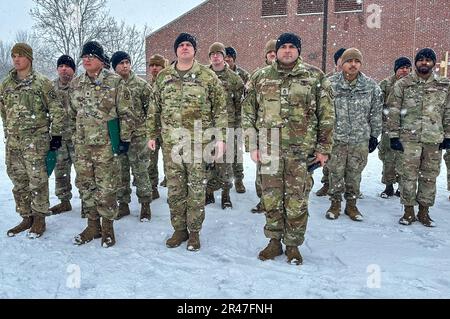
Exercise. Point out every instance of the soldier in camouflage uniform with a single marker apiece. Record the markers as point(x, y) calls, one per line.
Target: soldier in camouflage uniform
point(156, 64)
point(270, 56)
point(323, 191)
point(66, 154)
point(138, 155)
point(222, 173)
point(230, 58)
point(28, 106)
point(186, 95)
point(418, 123)
point(358, 106)
point(389, 157)
point(97, 98)
point(294, 99)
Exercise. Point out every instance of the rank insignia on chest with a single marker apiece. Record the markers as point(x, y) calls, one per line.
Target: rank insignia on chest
point(284, 91)
point(126, 95)
point(97, 88)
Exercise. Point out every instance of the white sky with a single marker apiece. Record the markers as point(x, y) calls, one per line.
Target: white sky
point(154, 13)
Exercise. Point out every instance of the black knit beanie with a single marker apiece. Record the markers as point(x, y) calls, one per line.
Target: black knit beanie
point(94, 48)
point(289, 38)
point(118, 57)
point(66, 60)
point(401, 62)
point(338, 54)
point(231, 52)
point(426, 53)
point(185, 37)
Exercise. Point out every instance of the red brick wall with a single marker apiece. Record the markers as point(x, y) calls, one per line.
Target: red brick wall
point(405, 27)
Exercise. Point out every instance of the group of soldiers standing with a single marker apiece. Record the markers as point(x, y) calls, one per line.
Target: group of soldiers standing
point(107, 124)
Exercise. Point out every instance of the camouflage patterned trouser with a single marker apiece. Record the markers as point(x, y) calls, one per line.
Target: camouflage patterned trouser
point(258, 180)
point(25, 166)
point(153, 167)
point(285, 197)
point(97, 180)
point(238, 167)
point(347, 161)
point(186, 193)
point(138, 159)
point(220, 177)
point(326, 175)
point(447, 163)
point(420, 166)
point(389, 157)
point(65, 159)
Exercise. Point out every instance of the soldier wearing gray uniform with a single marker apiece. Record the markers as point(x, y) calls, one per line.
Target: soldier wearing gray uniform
point(138, 155)
point(31, 113)
point(358, 105)
point(98, 102)
point(418, 124)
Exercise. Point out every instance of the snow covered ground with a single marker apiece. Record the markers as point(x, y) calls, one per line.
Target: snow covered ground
point(377, 258)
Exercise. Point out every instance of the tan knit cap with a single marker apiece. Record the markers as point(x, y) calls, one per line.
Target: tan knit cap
point(270, 46)
point(217, 47)
point(350, 54)
point(157, 59)
point(24, 50)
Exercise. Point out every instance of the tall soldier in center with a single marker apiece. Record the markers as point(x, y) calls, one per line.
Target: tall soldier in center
point(98, 101)
point(186, 94)
point(294, 99)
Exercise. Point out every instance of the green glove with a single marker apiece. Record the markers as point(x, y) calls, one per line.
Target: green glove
point(50, 162)
point(114, 134)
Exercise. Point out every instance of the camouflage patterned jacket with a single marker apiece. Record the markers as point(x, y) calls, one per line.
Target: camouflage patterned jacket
point(245, 76)
point(386, 86)
point(140, 93)
point(63, 94)
point(93, 104)
point(234, 89)
point(298, 102)
point(29, 106)
point(358, 107)
point(178, 102)
point(419, 110)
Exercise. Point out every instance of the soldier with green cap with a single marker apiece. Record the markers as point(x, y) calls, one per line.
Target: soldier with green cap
point(33, 120)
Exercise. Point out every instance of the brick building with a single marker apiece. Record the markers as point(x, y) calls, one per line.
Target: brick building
point(381, 29)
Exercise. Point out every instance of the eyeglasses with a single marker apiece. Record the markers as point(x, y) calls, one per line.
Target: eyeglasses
point(89, 57)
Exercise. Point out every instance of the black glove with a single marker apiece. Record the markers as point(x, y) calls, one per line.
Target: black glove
point(373, 143)
point(55, 143)
point(445, 144)
point(123, 147)
point(396, 145)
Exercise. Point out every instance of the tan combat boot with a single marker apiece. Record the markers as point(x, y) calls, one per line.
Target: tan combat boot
point(108, 238)
point(324, 190)
point(334, 211)
point(272, 250)
point(38, 227)
point(424, 217)
point(352, 211)
point(226, 201)
point(239, 186)
point(193, 243)
point(124, 210)
point(178, 237)
point(258, 209)
point(146, 213)
point(92, 231)
point(24, 225)
point(293, 255)
point(209, 197)
point(408, 217)
point(155, 193)
point(62, 207)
